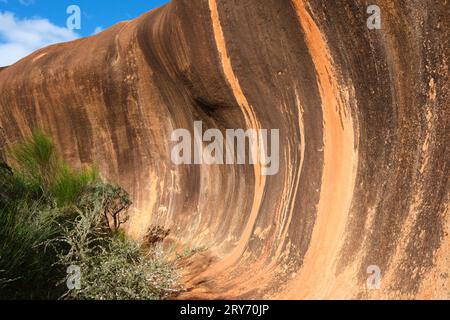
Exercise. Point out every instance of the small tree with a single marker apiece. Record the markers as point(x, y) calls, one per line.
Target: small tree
point(155, 234)
point(114, 200)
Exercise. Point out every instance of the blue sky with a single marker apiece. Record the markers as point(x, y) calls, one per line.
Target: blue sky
point(27, 25)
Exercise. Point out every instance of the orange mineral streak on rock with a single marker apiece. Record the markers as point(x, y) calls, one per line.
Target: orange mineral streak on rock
point(252, 123)
point(316, 277)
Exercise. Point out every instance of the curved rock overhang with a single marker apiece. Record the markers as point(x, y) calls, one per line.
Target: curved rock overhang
point(364, 128)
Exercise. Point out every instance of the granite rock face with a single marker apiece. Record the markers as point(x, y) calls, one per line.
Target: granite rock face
point(364, 121)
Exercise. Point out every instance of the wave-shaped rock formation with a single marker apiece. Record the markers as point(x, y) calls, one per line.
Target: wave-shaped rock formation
point(364, 138)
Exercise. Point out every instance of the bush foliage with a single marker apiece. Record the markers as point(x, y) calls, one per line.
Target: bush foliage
point(53, 217)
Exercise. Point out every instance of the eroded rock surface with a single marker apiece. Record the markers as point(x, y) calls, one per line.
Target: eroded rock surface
point(364, 130)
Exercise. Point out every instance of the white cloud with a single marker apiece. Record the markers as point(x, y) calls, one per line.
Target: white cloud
point(20, 37)
point(97, 29)
point(26, 2)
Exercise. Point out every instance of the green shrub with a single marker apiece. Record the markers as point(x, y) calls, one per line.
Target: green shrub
point(52, 217)
point(112, 267)
point(35, 161)
point(38, 167)
point(69, 184)
point(26, 222)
